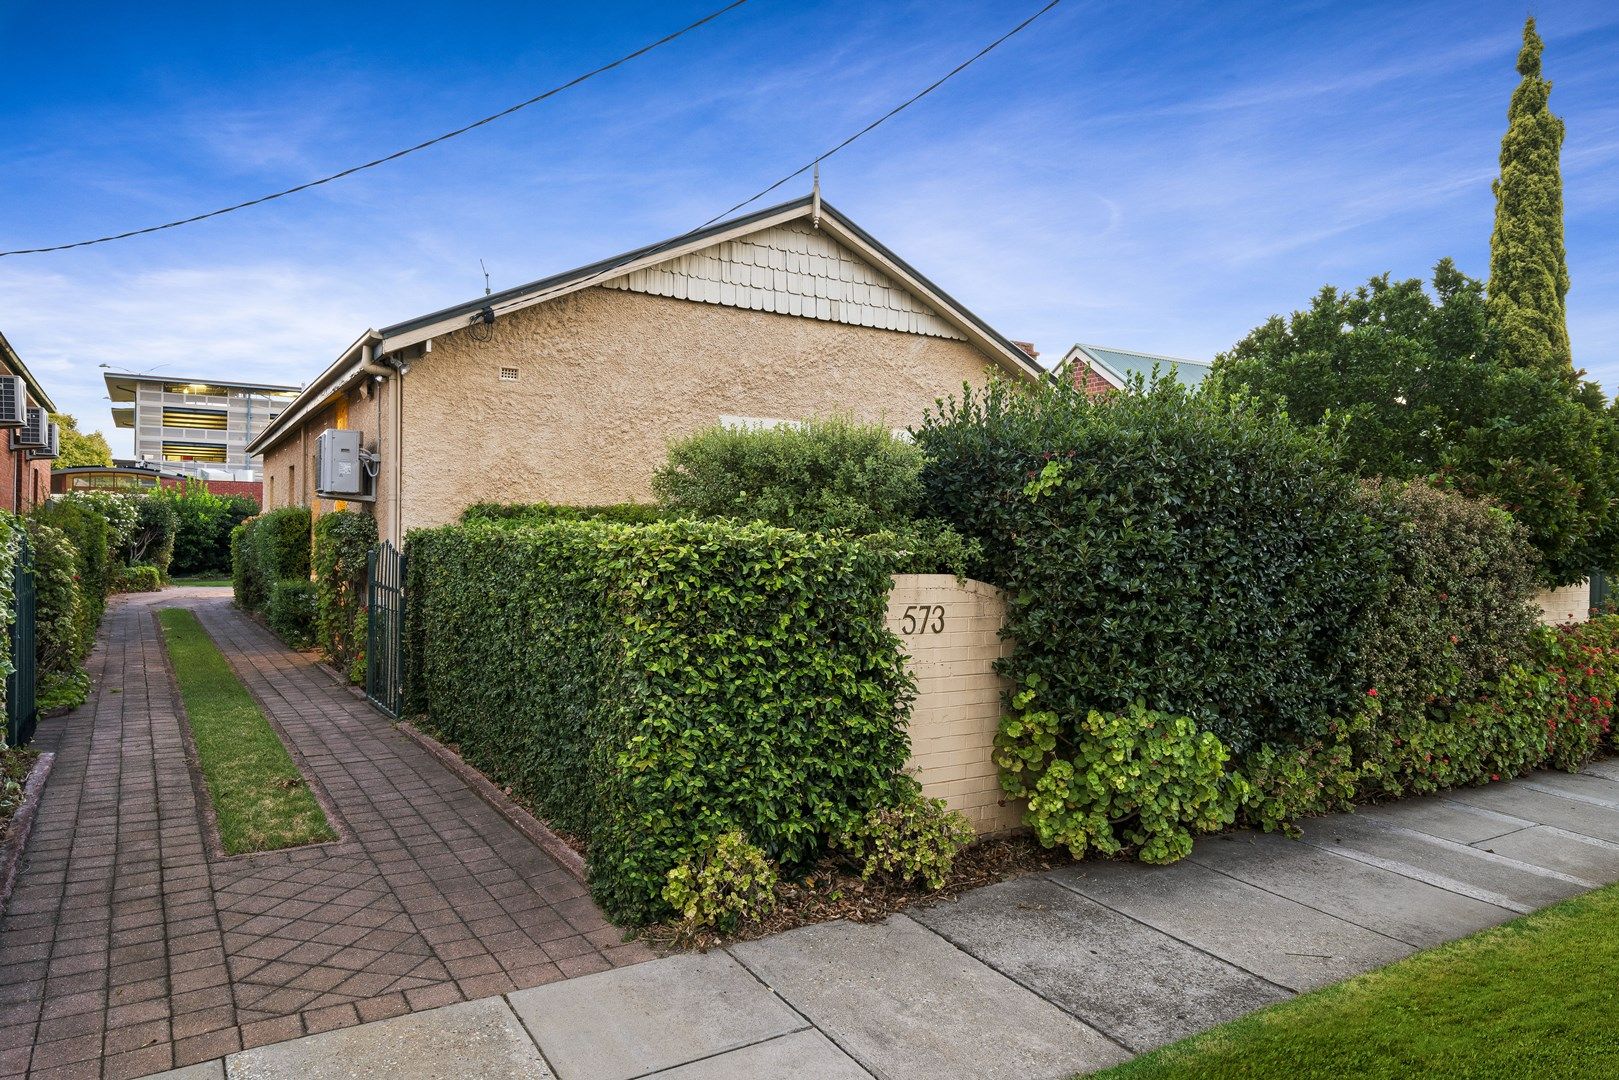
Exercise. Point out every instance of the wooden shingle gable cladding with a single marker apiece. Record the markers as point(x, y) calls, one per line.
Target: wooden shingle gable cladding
point(791, 269)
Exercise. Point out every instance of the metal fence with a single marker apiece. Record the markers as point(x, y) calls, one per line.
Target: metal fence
point(385, 629)
point(22, 713)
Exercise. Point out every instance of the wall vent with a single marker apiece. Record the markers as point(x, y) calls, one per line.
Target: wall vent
point(508, 374)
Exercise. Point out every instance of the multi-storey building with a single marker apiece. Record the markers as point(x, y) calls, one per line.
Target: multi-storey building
point(197, 426)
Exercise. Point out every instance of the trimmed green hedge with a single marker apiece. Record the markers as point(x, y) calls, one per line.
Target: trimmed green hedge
point(651, 688)
point(244, 578)
point(545, 513)
point(270, 562)
point(88, 531)
point(343, 540)
point(290, 611)
point(1201, 556)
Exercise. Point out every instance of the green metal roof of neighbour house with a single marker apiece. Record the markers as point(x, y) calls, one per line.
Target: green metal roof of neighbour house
point(1119, 366)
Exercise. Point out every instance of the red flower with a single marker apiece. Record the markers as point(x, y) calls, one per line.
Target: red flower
point(1495, 776)
point(1372, 692)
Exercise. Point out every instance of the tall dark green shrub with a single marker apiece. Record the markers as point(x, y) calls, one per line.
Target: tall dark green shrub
point(343, 540)
point(281, 545)
point(289, 609)
point(202, 543)
point(1458, 615)
point(1200, 555)
point(820, 475)
point(59, 641)
point(151, 541)
point(87, 530)
point(650, 688)
point(1528, 265)
point(244, 577)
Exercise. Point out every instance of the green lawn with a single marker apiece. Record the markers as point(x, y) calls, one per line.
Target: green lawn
point(203, 580)
point(1538, 997)
point(259, 796)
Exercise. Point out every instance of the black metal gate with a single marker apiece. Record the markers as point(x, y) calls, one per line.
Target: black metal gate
point(385, 629)
point(21, 711)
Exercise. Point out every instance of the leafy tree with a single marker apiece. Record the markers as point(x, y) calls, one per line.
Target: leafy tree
point(1420, 386)
point(1528, 267)
point(77, 448)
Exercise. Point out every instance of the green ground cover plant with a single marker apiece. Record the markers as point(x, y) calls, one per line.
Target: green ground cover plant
point(1530, 998)
point(261, 800)
point(650, 688)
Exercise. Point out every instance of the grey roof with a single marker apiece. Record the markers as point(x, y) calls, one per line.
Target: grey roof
point(1126, 364)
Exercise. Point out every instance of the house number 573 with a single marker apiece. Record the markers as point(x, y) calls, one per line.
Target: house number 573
point(922, 619)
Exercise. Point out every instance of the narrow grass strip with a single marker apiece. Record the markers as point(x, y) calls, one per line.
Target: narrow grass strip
point(1537, 998)
point(263, 803)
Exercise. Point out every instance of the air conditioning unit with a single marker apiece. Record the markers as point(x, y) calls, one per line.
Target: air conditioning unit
point(53, 445)
point(13, 401)
point(342, 466)
point(33, 434)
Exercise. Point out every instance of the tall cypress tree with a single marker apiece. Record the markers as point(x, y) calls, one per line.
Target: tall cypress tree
point(1528, 266)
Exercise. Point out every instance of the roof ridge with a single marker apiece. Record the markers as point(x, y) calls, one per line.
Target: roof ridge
point(1151, 356)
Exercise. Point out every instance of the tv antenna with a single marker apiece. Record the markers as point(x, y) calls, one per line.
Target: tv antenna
point(485, 269)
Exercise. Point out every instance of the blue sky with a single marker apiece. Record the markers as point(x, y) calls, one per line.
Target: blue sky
point(1154, 176)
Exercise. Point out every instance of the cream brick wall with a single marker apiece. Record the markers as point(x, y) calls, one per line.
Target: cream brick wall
point(1569, 604)
point(951, 632)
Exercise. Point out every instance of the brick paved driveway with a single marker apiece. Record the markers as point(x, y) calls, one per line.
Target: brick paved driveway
point(130, 947)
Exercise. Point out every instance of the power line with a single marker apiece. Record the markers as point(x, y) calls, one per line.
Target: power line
point(396, 155)
point(814, 162)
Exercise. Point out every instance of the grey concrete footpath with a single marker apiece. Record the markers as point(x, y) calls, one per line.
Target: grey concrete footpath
point(1039, 977)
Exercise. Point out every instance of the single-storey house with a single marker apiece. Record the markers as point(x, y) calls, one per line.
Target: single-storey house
point(569, 389)
point(1100, 370)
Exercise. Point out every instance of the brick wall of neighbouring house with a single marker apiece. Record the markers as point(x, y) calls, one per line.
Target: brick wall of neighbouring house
point(1090, 381)
point(951, 632)
point(35, 484)
point(1569, 604)
point(253, 489)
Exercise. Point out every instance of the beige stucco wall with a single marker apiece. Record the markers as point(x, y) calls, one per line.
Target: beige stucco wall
point(1569, 604)
point(952, 637)
point(606, 379)
point(358, 412)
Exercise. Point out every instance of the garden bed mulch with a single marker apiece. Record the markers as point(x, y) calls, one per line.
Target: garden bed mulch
point(29, 768)
point(832, 892)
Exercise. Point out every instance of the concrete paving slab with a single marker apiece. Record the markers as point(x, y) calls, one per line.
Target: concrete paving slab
point(654, 1015)
point(1558, 849)
point(1400, 907)
point(473, 1040)
point(1592, 789)
point(1607, 768)
point(802, 1055)
point(1443, 818)
point(1273, 937)
point(1136, 984)
point(1472, 871)
point(1543, 809)
point(908, 1005)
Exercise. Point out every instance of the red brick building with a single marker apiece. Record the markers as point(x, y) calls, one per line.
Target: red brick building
point(1098, 370)
point(25, 475)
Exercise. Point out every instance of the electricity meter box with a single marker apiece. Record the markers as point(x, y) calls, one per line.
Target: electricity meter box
point(340, 466)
